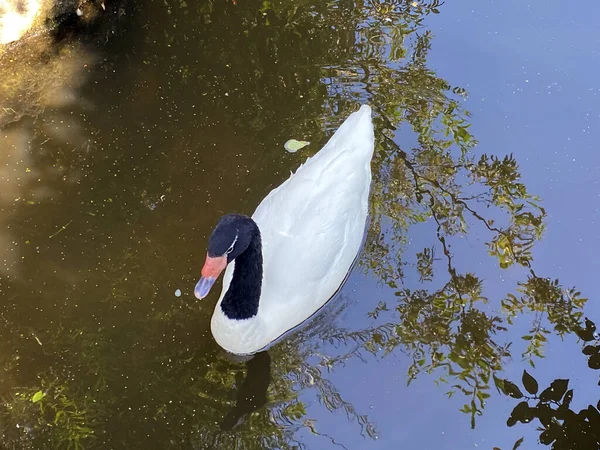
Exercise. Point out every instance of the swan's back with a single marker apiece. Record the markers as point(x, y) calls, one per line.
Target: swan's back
point(312, 225)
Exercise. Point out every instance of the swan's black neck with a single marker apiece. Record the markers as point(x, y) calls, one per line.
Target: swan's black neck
point(241, 300)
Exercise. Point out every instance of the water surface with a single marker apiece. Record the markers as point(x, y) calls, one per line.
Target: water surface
point(147, 124)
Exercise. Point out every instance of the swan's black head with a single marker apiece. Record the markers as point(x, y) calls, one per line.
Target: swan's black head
point(230, 238)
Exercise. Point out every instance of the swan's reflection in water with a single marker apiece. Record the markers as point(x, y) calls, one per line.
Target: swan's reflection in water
point(252, 392)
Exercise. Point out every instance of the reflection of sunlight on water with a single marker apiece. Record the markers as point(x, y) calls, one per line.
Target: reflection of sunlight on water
point(14, 174)
point(16, 18)
point(36, 71)
point(36, 87)
point(29, 83)
point(36, 78)
point(25, 184)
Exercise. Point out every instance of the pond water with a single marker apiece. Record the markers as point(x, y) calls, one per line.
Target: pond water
point(132, 133)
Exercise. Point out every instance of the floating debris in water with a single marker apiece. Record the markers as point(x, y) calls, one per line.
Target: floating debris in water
point(178, 293)
point(152, 201)
point(38, 396)
point(293, 145)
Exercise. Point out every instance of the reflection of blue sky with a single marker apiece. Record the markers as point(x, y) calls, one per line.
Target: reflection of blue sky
point(532, 76)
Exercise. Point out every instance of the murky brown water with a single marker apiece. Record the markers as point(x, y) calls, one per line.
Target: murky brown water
point(125, 139)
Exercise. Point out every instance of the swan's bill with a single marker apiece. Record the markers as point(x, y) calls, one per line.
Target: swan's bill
point(203, 287)
point(213, 266)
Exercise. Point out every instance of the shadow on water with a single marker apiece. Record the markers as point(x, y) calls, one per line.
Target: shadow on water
point(111, 185)
point(252, 391)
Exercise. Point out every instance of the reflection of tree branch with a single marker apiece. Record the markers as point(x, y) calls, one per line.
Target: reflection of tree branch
point(442, 239)
point(311, 426)
point(410, 167)
point(332, 399)
point(455, 199)
point(475, 214)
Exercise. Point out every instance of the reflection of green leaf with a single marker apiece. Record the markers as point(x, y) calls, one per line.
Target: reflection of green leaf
point(585, 335)
point(38, 396)
point(545, 438)
point(57, 417)
point(530, 383)
point(295, 410)
point(594, 361)
point(589, 325)
point(544, 414)
point(568, 397)
point(591, 350)
point(522, 412)
point(556, 391)
point(517, 444)
point(511, 389)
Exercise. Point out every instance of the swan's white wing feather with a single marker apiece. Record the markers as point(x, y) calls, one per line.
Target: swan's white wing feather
point(312, 226)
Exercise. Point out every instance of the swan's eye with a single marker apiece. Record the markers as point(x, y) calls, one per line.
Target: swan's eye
point(230, 249)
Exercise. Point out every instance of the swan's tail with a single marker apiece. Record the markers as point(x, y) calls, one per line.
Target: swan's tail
point(354, 135)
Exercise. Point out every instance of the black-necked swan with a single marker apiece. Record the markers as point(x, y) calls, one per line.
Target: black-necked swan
point(294, 253)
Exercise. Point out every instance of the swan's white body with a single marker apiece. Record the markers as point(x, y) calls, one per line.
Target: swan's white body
point(312, 228)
